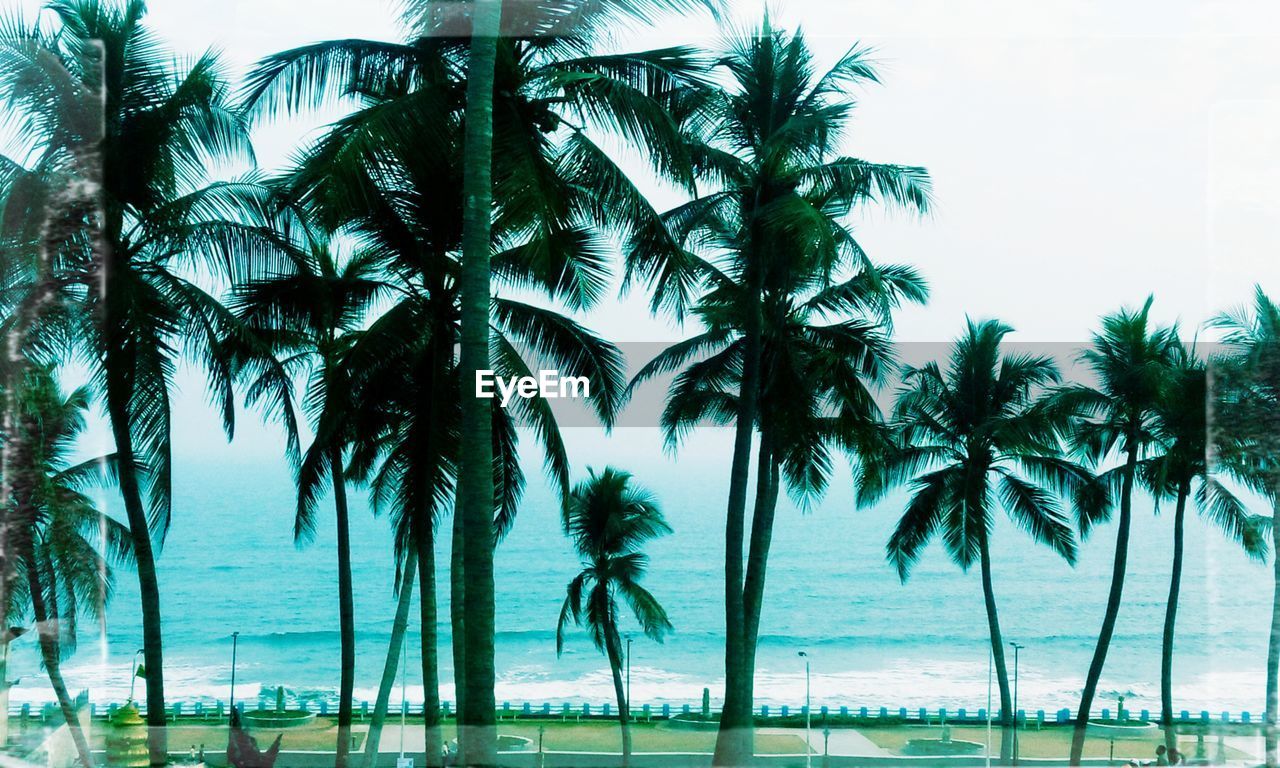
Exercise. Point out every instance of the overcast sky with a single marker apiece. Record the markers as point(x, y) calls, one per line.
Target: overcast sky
point(1084, 154)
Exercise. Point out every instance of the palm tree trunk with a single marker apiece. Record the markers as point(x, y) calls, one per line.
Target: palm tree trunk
point(457, 613)
point(145, 565)
point(428, 619)
point(346, 612)
point(48, 635)
point(734, 741)
point(1273, 644)
point(766, 506)
point(389, 668)
point(1170, 620)
point(1113, 607)
point(477, 731)
point(1008, 718)
point(613, 647)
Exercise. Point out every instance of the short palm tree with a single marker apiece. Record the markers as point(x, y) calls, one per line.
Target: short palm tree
point(1131, 362)
point(610, 520)
point(771, 224)
point(60, 541)
point(971, 440)
point(1245, 437)
point(1180, 471)
point(308, 316)
point(158, 126)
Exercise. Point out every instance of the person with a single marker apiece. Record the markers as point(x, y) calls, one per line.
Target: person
point(1162, 758)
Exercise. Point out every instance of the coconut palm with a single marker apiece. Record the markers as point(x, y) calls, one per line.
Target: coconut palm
point(1245, 437)
point(61, 541)
point(160, 126)
point(972, 440)
point(1131, 362)
point(773, 222)
point(309, 315)
point(1180, 471)
point(551, 86)
point(610, 519)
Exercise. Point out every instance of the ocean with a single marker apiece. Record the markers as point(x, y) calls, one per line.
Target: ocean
point(230, 565)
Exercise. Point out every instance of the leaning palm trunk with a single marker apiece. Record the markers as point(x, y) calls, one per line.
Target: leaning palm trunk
point(1113, 607)
point(734, 741)
point(389, 668)
point(1008, 718)
point(346, 614)
point(477, 734)
point(430, 662)
point(1170, 620)
point(148, 584)
point(457, 612)
point(49, 651)
point(1273, 644)
point(766, 505)
point(613, 647)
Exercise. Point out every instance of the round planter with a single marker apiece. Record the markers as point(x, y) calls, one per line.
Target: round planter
point(1128, 729)
point(940, 748)
point(507, 743)
point(273, 720)
point(693, 722)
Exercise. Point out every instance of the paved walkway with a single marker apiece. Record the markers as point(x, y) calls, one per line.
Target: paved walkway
point(844, 741)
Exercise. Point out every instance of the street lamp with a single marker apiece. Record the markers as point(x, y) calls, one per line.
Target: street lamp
point(1016, 647)
point(628, 673)
point(235, 641)
point(808, 715)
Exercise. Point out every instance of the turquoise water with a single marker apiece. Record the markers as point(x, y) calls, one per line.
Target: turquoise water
point(230, 565)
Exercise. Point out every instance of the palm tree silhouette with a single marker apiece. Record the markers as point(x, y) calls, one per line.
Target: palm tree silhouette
point(970, 440)
point(1180, 471)
point(159, 126)
point(1245, 435)
point(62, 544)
point(1131, 362)
point(309, 316)
point(610, 519)
point(774, 226)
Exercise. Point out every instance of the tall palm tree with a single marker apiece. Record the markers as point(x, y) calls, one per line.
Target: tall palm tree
point(610, 519)
point(773, 223)
point(310, 314)
point(160, 126)
point(970, 440)
point(551, 86)
point(61, 551)
point(1180, 471)
point(1245, 436)
point(1130, 361)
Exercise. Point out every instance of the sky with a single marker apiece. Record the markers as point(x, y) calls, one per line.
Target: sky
point(1084, 154)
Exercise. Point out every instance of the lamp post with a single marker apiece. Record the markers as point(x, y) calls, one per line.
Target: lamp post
point(808, 715)
point(1016, 647)
point(235, 641)
point(10, 634)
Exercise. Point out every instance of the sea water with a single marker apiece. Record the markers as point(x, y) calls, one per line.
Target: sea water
point(230, 565)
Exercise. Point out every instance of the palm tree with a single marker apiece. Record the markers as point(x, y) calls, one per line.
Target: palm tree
point(1180, 471)
point(551, 85)
point(610, 519)
point(1131, 362)
point(58, 551)
point(971, 440)
point(1245, 436)
point(774, 226)
point(162, 124)
point(309, 314)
